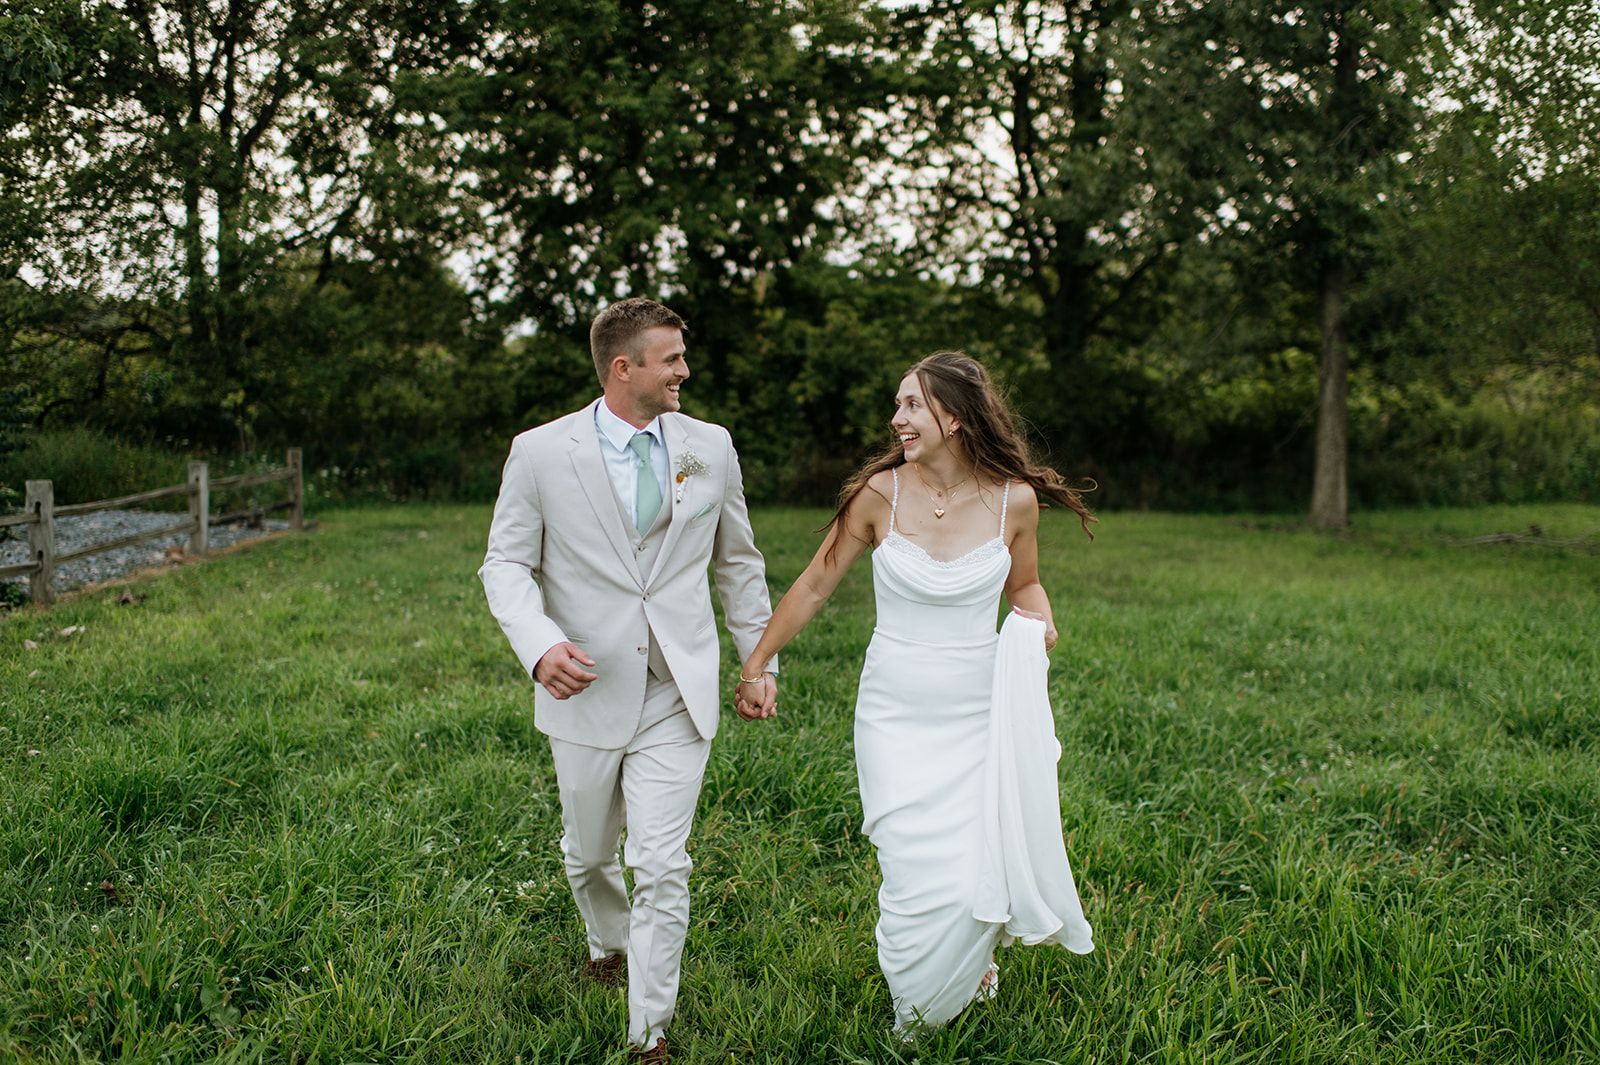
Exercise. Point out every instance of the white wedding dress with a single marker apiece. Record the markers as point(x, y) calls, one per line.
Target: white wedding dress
point(960, 803)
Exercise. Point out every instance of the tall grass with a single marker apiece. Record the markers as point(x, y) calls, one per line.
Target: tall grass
point(1329, 799)
point(85, 465)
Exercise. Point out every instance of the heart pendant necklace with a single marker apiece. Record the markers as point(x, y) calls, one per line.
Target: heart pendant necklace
point(938, 511)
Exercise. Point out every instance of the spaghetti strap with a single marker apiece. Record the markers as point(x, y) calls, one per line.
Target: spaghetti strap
point(895, 502)
point(1004, 499)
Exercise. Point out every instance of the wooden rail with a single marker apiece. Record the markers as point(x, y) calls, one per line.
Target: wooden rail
point(40, 512)
point(123, 501)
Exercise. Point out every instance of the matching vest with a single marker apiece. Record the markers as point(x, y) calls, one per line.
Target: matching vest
point(647, 549)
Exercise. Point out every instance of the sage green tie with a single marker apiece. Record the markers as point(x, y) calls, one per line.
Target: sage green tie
point(647, 496)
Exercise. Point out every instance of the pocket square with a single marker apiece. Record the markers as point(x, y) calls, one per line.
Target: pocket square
point(707, 509)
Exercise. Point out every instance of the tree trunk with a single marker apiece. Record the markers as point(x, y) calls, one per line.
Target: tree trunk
point(196, 289)
point(1330, 495)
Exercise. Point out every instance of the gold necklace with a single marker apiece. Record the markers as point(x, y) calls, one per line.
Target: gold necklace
point(938, 511)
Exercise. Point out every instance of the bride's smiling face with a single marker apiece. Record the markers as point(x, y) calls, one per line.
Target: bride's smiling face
point(919, 421)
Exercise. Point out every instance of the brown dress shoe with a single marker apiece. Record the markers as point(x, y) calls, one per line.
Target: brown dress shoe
point(656, 1055)
point(607, 971)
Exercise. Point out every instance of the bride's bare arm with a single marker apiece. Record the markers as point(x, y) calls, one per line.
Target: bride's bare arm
point(847, 541)
point(1023, 590)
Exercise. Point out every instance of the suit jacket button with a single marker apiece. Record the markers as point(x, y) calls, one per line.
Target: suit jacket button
point(644, 650)
point(647, 597)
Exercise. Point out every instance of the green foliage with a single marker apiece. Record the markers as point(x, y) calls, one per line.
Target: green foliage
point(661, 149)
point(804, 364)
point(30, 54)
point(368, 367)
point(318, 225)
point(1327, 798)
point(386, 370)
point(93, 361)
point(242, 137)
point(1423, 449)
point(1062, 153)
point(13, 418)
point(84, 465)
point(1495, 265)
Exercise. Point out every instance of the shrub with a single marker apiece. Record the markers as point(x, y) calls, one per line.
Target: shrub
point(1476, 453)
point(87, 465)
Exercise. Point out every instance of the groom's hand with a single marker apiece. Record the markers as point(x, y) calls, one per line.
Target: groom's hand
point(561, 671)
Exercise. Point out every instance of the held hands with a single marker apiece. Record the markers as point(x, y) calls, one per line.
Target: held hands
point(1050, 635)
point(561, 671)
point(756, 700)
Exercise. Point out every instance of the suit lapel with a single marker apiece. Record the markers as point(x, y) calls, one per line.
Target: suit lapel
point(590, 468)
point(677, 440)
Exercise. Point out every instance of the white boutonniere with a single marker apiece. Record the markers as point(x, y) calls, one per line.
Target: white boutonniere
point(689, 464)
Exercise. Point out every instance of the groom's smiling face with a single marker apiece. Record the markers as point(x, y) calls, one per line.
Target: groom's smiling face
point(651, 388)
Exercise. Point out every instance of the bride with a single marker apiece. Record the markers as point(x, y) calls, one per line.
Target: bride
point(951, 511)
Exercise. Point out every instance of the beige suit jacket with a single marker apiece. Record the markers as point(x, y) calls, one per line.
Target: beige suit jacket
point(562, 565)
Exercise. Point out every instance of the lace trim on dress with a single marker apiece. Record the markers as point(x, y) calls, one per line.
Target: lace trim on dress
point(982, 553)
point(894, 503)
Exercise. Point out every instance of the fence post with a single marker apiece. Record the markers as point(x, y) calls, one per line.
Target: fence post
point(41, 502)
point(297, 492)
point(200, 508)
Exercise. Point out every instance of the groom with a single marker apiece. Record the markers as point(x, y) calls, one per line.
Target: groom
point(596, 571)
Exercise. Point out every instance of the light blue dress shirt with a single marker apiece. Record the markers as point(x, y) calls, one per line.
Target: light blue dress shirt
point(622, 464)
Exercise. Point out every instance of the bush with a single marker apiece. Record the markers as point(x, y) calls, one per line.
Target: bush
point(86, 465)
point(1473, 454)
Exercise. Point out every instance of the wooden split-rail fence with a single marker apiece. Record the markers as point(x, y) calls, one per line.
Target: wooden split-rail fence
point(40, 513)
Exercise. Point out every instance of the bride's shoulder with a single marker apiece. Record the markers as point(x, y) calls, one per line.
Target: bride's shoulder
point(879, 490)
point(1021, 492)
point(1013, 492)
point(869, 507)
point(1021, 501)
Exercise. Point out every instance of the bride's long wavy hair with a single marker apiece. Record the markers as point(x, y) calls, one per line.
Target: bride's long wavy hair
point(988, 436)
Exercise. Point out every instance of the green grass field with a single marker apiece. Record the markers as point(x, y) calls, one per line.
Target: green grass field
point(1329, 799)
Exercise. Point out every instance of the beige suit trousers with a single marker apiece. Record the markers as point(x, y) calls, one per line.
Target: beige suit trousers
point(650, 787)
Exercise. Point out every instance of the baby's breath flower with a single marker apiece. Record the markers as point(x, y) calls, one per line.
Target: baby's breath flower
point(690, 464)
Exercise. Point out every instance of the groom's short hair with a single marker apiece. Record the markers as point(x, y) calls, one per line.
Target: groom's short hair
point(617, 331)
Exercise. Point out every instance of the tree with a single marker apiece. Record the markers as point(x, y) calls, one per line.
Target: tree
point(1063, 154)
point(167, 154)
point(677, 151)
point(810, 391)
point(1337, 89)
point(1502, 254)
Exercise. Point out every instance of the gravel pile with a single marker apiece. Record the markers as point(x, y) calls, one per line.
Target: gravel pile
point(82, 530)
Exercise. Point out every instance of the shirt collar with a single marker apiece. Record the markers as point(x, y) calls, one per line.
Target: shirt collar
point(619, 432)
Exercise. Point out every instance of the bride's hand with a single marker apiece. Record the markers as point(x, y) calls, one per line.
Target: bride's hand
point(755, 700)
point(1050, 635)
